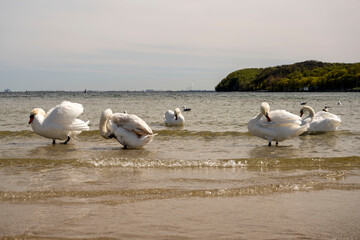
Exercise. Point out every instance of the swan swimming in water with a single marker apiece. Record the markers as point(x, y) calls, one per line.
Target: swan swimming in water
point(278, 125)
point(128, 129)
point(59, 122)
point(174, 118)
point(322, 121)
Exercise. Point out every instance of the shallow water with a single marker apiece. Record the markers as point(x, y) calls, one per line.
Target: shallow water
point(210, 179)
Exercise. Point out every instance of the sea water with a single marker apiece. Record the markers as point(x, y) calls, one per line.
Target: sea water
point(210, 179)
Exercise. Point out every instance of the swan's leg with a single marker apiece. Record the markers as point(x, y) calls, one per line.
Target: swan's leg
point(269, 144)
point(277, 143)
point(111, 136)
point(67, 140)
point(125, 147)
point(53, 141)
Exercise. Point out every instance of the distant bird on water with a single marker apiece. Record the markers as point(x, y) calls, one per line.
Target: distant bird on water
point(186, 109)
point(339, 102)
point(302, 103)
point(59, 122)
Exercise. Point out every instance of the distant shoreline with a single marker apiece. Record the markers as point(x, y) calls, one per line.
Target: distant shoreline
point(308, 76)
point(170, 91)
point(94, 91)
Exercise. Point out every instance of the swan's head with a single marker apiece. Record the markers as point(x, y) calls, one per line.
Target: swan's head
point(177, 113)
point(265, 109)
point(34, 112)
point(105, 115)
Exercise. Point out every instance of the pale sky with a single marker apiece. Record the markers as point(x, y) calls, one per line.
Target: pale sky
point(165, 44)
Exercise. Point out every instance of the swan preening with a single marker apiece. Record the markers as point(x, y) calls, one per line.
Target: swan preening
point(322, 121)
point(128, 129)
point(278, 125)
point(174, 118)
point(59, 122)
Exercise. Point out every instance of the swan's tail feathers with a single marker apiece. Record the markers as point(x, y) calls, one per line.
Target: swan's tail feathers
point(148, 138)
point(79, 125)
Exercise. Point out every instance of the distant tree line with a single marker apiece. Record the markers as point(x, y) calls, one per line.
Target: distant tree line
point(303, 76)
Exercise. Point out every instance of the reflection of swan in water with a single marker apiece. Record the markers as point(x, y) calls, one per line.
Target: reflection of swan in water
point(278, 125)
point(59, 122)
point(174, 118)
point(319, 144)
point(322, 121)
point(264, 152)
point(128, 129)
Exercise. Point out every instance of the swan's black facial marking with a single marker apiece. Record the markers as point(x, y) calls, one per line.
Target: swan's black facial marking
point(301, 112)
point(31, 118)
point(267, 117)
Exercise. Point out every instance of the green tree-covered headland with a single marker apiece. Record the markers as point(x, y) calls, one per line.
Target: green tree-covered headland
point(303, 76)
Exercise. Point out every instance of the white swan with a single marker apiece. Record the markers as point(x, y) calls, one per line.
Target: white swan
point(59, 122)
point(276, 125)
point(174, 118)
point(323, 121)
point(128, 129)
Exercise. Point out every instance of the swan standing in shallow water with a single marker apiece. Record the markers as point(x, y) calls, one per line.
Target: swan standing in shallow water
point(60, 122)
point(322, 121)
point(128, 129)
point(278, 125)
point(174, 118)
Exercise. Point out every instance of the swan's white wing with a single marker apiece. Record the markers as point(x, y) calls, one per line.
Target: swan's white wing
point(131, 139)
point(284, 117)
point(131, 123)
point(64, 114)
point(79, 125)
point(169, 116)
point(327, 115)
point(325, 121)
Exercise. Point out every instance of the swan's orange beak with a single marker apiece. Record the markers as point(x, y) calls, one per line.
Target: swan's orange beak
point(301, 113)
point(267, 117)
point(31, 119)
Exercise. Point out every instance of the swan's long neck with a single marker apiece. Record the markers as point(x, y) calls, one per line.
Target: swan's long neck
point(311, 113)
point(103, 122)
point(255, 119)
point(36, 124)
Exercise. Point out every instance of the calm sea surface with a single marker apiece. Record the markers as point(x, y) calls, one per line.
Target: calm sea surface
point(210, 179)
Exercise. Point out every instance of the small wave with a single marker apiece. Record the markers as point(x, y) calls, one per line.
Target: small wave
point(248, 163)
point(201, 134)
point(113, 197)
point(14, 134)
point(161, 133)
